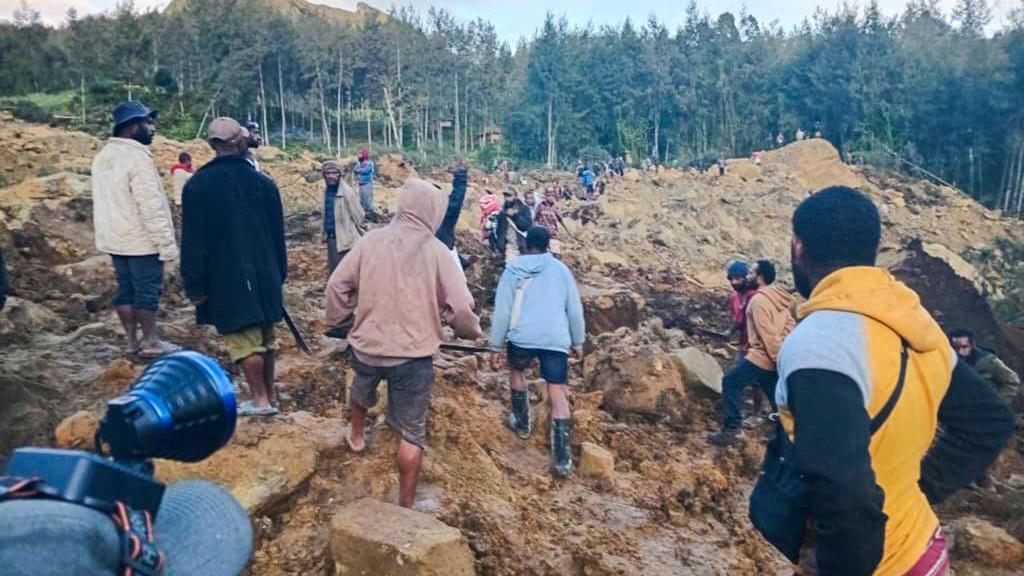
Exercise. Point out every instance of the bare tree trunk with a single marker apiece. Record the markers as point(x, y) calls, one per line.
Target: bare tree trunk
point(657, 135)
point(369, 128)
point(392, 124)
point(457, 126)
point(81, 90)
point(400, 130)
point(551, 133)
point(284, 114)
point(325, 126)
point(341, 69)
point(263, 104)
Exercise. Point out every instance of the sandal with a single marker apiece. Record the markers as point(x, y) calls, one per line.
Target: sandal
point(247, 408)
point(351, 445)
point(158, 349)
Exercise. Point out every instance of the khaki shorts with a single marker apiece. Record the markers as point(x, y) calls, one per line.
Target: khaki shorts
point(254, 340)
point(409, 386)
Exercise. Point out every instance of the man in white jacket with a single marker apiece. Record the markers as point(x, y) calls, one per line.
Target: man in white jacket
point(133, 224)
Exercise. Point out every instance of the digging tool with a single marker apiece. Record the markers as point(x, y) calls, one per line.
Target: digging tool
point(299, 340)
point(465, 348)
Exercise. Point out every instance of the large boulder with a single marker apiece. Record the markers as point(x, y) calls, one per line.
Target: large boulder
point(699, 368)
point(608, 309)
point(647, 383)
point(596, 461)
point(20, 320)
point(369, 537)
point(978, 540)
point(267, 462)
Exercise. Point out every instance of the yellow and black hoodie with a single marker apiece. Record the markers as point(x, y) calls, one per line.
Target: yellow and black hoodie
point(870, 496)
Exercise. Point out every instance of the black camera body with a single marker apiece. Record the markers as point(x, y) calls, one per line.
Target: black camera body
point(88, 479)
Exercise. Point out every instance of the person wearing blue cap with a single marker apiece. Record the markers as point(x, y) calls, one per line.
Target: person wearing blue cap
point(133, 224)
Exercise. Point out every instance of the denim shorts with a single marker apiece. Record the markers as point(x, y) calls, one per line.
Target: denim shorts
point(139, 281)
point(554, 366)
point(409, 386)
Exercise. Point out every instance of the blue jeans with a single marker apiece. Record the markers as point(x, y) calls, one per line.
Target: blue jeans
point(745, 373)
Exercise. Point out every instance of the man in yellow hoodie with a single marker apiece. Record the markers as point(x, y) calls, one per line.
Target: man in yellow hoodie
point(768, 322)
point(865, 381)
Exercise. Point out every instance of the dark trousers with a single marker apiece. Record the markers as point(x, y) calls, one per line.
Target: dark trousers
point(333, 256)
point(745, 373)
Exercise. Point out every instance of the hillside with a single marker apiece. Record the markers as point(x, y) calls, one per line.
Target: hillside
point(296, 9)
point(649, 256)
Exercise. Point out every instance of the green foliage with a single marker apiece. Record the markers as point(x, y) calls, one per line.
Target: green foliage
point(930, 87)
point(29, 111)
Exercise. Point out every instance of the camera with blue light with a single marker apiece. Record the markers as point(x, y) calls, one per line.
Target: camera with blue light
point(182, 408)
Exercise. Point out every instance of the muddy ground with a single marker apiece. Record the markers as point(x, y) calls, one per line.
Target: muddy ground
point(649, 256)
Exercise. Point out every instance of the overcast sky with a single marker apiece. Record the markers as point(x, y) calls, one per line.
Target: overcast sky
point(523, 17)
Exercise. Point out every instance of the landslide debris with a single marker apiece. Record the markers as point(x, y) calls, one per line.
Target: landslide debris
point(649, 256)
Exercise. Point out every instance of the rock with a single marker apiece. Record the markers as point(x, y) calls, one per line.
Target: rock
point(22, 319)
point(595, 461)
point(369, 537)
point(646, 384)
point(265, 464)
point(77, 432)
point(94, 276)
point(978, 540)
point(699, 368)
point(609, 309)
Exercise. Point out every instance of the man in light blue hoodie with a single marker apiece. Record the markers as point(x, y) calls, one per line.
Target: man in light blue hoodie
point(539, 314)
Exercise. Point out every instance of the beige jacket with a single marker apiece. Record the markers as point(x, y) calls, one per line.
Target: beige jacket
point(130, 210)
point(401, 282)
point(769, 321)
point(178, 179)
point(349, 218)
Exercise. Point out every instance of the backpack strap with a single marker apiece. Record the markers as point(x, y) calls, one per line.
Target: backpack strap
point(886, 411)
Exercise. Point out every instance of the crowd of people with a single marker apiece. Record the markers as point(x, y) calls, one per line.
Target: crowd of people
point(859, 376)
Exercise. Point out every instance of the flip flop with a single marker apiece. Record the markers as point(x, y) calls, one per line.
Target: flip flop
point(159, 349)
point(351, 446)
point(247, 408)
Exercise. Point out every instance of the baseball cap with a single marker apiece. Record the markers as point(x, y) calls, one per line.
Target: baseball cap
point(131, 110)
point(200, 528)
point(225, 129)
point(737, 269)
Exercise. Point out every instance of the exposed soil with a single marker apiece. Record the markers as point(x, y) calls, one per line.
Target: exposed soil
point(649, 256)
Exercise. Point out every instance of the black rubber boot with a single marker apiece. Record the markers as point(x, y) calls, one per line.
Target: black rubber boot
point(561, 453)
point(519, 419)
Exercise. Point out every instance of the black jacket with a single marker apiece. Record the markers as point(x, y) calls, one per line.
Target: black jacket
point(522, 219)
point(233, 256)
point(446, 233)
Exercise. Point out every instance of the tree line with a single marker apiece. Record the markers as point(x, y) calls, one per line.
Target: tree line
point(924, 91)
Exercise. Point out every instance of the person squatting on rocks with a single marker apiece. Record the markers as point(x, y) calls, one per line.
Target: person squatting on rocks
point(255, 140)
point(344, 220)
point(234, 260)
point(538, 312)
point(865, 380)
point(768, 321)
point(133, 224)
point(446, 232)
point(513, 222)
point(396, 287)
point(364, 171)
point(987, 365)
point(180, 173)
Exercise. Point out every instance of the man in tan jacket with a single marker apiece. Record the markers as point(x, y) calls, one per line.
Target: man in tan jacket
point(344, 219)
point(396, 287)
point(133, 224)
point(769, 321)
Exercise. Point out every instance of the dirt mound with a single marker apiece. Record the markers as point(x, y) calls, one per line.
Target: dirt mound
point(650, 257)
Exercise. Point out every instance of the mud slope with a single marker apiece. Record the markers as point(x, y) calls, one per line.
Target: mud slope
point(649, 256)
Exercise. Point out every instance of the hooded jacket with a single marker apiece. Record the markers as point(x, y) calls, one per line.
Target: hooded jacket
point(769, 321)
point(349, 218)
point(550, 315)
point(522, 220)
point(400, 282)
point(869, 495)
point(446, 233)
point(129, 207)
point(233, 254)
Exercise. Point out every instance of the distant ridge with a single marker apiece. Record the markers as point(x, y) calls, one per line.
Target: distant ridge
point(296, 9)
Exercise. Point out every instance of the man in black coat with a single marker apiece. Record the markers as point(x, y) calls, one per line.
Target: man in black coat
point(514, 220)
point(233, 258)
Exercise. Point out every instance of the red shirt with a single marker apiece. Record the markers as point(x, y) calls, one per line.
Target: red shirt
point(180, 166)
point(738, 308)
